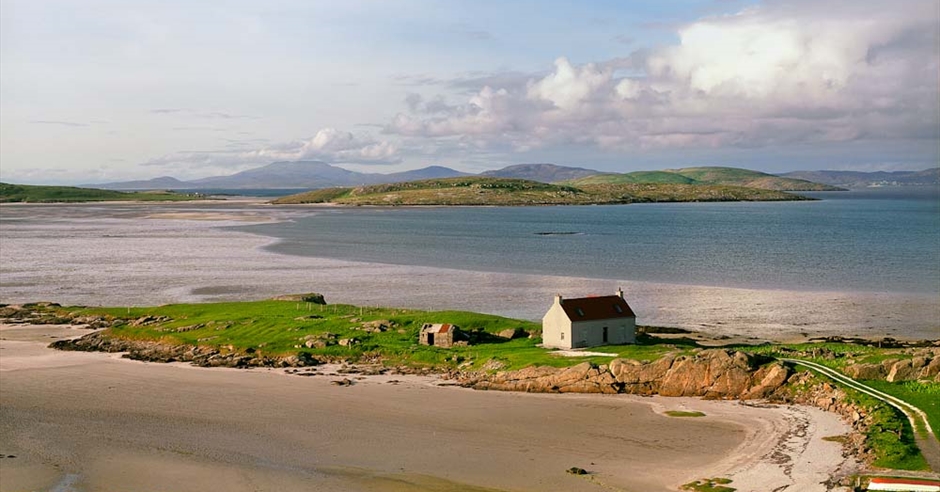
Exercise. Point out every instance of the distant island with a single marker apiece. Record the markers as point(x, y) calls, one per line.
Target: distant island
point(13, 193)
point(876, 179)
point(510, 191)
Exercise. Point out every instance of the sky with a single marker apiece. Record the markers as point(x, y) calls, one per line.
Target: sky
point(110, 90)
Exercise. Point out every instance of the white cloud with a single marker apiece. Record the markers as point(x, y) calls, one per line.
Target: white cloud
point(329, 145)
point(776, 74)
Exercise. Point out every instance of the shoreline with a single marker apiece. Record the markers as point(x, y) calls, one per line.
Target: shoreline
point(493, 433)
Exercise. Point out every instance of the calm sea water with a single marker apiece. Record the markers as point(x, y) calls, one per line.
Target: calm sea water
point(883, 240)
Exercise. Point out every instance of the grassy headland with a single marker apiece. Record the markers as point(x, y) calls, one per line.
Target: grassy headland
point(507, 191)
point(719, 176)
point(13, 193)
point(279, 328)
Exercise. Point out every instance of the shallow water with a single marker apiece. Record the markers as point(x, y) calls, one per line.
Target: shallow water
point(878, 241)
point(113, 254)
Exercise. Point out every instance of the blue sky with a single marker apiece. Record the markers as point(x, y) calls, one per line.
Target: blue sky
point(99, 91)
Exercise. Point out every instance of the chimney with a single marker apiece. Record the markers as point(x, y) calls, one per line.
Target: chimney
point(619, 292)
point(558, 299)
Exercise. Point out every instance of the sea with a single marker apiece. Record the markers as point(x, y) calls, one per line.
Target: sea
point(879, 240)
point(863, 262)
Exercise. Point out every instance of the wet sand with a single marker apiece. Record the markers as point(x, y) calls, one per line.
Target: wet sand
point(91, 421)
point(105, 254)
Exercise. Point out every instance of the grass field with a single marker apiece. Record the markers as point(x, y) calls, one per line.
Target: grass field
point(12, 193)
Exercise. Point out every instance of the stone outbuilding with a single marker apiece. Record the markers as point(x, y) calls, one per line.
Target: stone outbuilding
point(589, 322)
point(439, 335)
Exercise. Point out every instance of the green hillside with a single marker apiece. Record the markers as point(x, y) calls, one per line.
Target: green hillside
point(753, 179)
point(724, 176)
point(506, 191)
point(653, 177)
point(10, 193)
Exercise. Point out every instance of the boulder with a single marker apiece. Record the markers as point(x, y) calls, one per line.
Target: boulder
point(866, 371)
point(901, 371)
point(513, 333)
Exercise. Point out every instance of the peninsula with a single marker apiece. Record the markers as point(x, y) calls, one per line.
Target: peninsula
point(15, 193)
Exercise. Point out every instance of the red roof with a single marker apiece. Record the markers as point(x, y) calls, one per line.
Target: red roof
point(596, 308)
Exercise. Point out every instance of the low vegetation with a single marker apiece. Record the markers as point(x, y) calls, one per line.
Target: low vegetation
point(680, 413)
point(724, 176)
point(506, 191)
point(709, 485)
point(12, 193)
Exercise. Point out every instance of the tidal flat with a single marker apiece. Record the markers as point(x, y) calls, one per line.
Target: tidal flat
point(151, 254)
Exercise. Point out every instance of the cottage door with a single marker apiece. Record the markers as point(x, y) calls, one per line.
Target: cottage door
point(430, 339)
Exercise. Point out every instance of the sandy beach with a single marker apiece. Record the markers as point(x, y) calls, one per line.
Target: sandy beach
point(150, 254)
point(91, 421)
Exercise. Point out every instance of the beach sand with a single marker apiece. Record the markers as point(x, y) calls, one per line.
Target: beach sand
point(93, 421)
point(103, 254)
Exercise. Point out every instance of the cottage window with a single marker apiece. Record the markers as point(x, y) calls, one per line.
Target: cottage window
point(618, 308)
point(580, 312)
point(562, 335)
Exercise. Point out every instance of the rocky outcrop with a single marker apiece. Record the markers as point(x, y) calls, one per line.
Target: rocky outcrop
point(194, 354)
point(924, 365)
point(715, 373)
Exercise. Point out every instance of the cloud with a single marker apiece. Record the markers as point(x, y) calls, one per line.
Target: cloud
point(780, 73)
point(329, 144)
point(203, 114)
point(59, 123)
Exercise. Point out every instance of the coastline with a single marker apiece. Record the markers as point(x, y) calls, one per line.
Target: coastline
point(218, 424)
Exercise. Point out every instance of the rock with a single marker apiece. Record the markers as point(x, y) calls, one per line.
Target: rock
point(315, 343)
point(901, 371)
point(377, 326)
point(342, 382)
point(866, 371)
point(348, 342)
point(574, 470)
point(513, 333)
point(932, 370)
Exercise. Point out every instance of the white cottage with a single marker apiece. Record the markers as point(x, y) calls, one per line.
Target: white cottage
point(589, 322)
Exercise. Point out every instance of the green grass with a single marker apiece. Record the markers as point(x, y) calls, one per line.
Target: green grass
point(709, 485)
point(680, 413)
point(273, 328)
point(12, 193)
point(643, 177)
point(922, 394)
point(723, 176)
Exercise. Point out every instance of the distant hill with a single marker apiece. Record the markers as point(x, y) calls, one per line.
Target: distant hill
point(13, 193)
point(544, 173)
point(319, 175)
point(751, 179)
point(857, 179)
point(721, 176)
point(658, 177)
point(477, 190)
point(161, 183)
point(286, 175)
